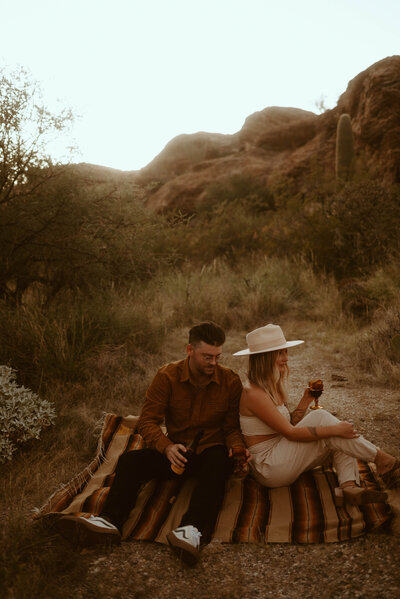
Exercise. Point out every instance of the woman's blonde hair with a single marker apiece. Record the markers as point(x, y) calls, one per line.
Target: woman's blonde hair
point(262, 371)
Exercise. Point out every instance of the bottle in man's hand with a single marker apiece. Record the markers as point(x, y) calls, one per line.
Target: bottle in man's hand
point(191, 449)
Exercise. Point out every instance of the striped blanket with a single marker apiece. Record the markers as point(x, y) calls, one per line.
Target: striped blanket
point(303, 512)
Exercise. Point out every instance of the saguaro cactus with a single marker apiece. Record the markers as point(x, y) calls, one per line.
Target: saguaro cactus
point(344, 148)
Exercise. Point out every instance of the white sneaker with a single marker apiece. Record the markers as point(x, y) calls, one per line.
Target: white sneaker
point(89, 531)
point(185, 542)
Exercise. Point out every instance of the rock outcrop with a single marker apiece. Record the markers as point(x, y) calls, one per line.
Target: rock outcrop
point(290, 142)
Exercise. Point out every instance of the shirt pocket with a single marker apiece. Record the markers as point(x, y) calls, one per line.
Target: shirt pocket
point(216, 409)
point(179, 413)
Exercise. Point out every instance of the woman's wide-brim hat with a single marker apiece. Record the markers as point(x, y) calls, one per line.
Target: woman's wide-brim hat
point(265, 339)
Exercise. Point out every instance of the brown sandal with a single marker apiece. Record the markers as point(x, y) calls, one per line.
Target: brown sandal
point(358, 496)
point(392, 477)
point(362, 496)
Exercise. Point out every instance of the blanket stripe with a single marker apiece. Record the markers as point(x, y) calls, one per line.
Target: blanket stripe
point(303, 512)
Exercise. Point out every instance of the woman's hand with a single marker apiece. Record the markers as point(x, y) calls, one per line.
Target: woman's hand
point(345, 430)
point(307, 397)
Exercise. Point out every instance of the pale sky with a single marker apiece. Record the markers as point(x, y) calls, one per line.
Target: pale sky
point(137, 73)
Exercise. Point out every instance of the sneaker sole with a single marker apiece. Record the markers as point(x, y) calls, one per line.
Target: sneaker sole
point(188, 554)
point(82, 532)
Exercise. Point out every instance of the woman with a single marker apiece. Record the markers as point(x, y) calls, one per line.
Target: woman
point(284, 444)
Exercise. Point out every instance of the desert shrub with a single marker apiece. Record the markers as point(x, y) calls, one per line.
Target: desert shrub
point(271, 287)
point(27, 129)
point(226, 223)
point(46, 344)
point(383, 285)
point(55, 342)
point(23, 414)
point(378, 345)
point(256, 289)
point(189, 294)
point(238, 190)
point(348, 232)
point(73, 234)
point(365, 218)
point(230, 234)
point(223, 233)
point(357, 231)
point(33, 559)
point(363, 296)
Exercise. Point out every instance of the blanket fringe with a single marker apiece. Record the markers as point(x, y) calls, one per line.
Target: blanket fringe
point(66, 491)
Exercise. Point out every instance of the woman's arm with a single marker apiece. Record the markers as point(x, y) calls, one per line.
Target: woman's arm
point(298, 413)
point(256, 402)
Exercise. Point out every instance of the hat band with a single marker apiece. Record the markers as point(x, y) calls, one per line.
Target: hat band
point(279, 340)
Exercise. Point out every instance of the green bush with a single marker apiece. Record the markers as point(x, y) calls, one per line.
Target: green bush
point(22, 414)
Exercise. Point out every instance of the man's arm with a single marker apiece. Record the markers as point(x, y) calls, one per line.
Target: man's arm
point(153, 413)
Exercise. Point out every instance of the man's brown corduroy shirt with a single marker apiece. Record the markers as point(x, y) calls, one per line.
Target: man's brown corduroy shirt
point(174, 399)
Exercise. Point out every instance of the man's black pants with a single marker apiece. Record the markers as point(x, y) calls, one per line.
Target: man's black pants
point(210, 468)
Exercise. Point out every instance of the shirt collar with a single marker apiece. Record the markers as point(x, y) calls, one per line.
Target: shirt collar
point(185, 374)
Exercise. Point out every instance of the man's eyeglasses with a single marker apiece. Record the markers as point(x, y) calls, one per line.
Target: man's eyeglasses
point(210, 357)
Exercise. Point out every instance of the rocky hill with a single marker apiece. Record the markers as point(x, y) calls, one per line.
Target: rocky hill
point(285, 142)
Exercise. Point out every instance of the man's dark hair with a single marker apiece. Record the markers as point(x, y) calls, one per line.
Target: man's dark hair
point(209, 332)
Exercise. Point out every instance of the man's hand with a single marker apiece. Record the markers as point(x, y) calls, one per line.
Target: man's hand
point(245, 453)
point(249, 457)
point(174, 454)
point(241, 457)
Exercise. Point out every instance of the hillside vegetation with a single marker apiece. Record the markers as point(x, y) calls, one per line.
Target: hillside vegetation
point(94, 273)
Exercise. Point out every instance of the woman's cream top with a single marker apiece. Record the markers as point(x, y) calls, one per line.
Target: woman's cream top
point(252, 425)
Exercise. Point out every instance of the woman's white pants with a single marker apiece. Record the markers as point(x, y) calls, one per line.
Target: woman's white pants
point(279, 461)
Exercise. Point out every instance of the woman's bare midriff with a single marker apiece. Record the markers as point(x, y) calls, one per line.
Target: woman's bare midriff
point(254, 439)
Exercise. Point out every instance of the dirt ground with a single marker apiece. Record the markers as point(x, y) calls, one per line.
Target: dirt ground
point(365, 567)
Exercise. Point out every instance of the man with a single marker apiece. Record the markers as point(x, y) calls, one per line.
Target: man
point(192, 395)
